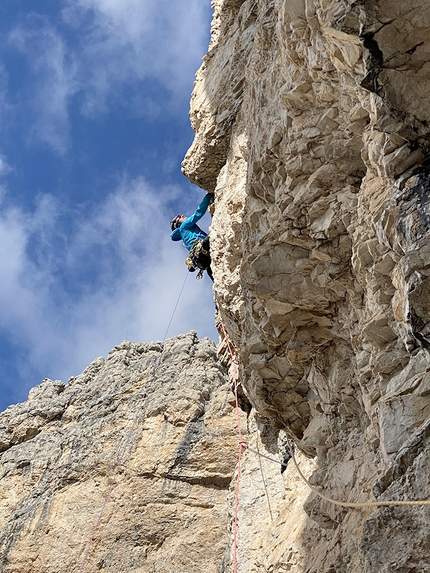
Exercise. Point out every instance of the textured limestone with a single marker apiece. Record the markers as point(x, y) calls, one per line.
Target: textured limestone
point(321, 248)
point(168, 507)
point(311, 123)
point(155, 469)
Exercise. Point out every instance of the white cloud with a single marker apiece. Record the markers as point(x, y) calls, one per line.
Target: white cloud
point(123, 275)
point(69, 296)
point(130, 41)
point(4, 167)
point(120, 49)
point(52, 81)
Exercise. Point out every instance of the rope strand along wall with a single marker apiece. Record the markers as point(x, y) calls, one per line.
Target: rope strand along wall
point(352, 505)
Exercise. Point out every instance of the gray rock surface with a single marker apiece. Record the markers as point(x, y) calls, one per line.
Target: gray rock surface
point(321, 257)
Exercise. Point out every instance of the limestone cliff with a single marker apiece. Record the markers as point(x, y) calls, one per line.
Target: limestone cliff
point(151, 453)
point(312, 128)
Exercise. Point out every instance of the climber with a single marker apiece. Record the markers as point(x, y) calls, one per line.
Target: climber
point(196, 240)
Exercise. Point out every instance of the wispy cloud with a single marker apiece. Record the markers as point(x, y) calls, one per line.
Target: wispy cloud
point(123, 276)
point(130, 41)
point(4, 167)
point(51, 83)
point(120, 49)
point(77, 279)
point(157, 38)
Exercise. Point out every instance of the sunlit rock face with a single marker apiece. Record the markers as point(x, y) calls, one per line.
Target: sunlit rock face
point(312, 127)
point(155, 467)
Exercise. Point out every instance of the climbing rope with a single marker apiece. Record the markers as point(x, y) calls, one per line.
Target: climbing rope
point(264, 483)
point(244, 446)
point(129, 435)
point(239, 459)
point(354, 505)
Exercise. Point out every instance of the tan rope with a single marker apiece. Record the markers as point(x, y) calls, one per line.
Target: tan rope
point(123, 450)
point(354, 505)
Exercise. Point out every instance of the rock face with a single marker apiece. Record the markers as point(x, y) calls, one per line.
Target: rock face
point(149, 455)
point(312, 128)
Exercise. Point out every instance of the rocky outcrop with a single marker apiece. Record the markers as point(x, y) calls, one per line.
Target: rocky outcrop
point(144, 441)
point(311, 123)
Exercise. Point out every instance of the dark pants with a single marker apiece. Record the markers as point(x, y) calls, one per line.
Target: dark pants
point(205, 260)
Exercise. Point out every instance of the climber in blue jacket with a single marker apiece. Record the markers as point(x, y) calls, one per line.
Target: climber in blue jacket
point(195, 239)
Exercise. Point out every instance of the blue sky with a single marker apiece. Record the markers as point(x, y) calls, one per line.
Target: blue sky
point(94, 98)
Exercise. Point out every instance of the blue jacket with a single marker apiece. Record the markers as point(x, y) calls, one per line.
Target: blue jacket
point(189, 231)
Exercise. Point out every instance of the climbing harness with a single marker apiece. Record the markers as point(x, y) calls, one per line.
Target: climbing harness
point(244, 446)
point(127, 440)
point(194, 260)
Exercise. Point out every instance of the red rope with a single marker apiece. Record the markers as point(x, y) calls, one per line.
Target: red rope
point(239, 459)
point(236, 511)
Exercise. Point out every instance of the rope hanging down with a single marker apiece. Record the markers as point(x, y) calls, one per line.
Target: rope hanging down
point(130, 433)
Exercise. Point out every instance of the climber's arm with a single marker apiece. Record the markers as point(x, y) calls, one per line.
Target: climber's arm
point(199, 212)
